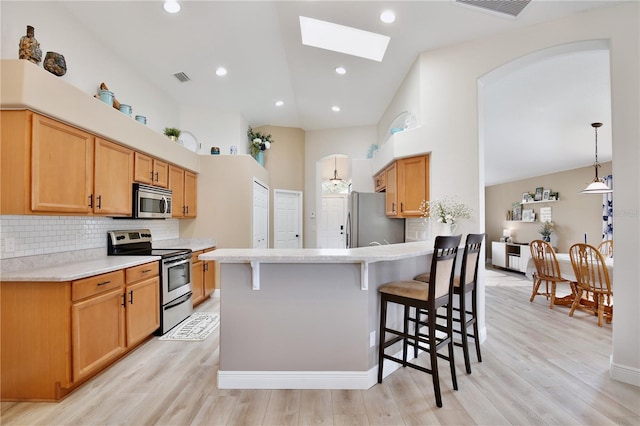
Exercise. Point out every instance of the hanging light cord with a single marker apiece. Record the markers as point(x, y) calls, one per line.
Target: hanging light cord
point(596, 165)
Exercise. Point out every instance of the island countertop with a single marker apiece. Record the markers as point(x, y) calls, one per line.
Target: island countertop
point(388, 252)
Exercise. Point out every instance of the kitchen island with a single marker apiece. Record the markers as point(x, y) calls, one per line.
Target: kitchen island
point(306, 318)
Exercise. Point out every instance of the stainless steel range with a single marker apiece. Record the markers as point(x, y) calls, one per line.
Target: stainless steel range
point(175, 273)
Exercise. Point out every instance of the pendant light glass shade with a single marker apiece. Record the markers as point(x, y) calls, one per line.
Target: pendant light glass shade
point(597, 186)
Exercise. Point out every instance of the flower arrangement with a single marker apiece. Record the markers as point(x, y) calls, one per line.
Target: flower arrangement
point(546, 230)
point(258, 141)
point(447, 210)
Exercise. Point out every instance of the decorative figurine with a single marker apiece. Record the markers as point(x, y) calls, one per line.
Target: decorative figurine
point(55, 63)
point(29, 47)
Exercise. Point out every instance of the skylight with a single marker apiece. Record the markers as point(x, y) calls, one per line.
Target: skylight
point(342, 39)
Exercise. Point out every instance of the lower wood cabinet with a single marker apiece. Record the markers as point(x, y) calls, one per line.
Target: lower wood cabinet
point(56, 335)
point(203, 277)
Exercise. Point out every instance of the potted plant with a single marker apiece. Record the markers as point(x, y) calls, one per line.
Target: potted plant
point(546, 230)
point(258, 142)
point(172, 132)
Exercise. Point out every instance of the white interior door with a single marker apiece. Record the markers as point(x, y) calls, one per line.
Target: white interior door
point(260, 215)
point(332, 223)
point(287, 219)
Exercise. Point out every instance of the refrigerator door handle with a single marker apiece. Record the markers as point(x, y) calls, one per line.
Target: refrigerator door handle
point(348, 238)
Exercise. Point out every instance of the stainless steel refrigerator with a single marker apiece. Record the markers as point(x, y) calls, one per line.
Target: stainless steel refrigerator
point(367, 223)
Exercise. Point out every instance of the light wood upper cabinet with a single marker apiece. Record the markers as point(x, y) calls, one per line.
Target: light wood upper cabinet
point(190, 194)
point(413, 184)
point(150, 170)
point(113, 179)
point(61, 167)
point(51, 167)
point(379, 182)
point(407, 184)
point(391, 198)
point(176, 185)
point(183, 185)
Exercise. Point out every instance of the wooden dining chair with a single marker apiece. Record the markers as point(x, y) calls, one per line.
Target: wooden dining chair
point(547, 270)
point(415, 295)
point(606, 248)
point(592, 276)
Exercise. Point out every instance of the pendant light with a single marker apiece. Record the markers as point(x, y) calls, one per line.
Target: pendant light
point(597, 186)
point(335, 179)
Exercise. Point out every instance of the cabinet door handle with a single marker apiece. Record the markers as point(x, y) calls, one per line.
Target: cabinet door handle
point(99, 200)
point(104, 283)
point(91, 200)
point(401, 207)
point(131, 297)
point(156, 176)
point(205, 266)
point(146, 270)
point(152, 176)
point(124, 300)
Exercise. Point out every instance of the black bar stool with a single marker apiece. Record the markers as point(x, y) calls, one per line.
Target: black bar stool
point(464, 284)
point(427, 298)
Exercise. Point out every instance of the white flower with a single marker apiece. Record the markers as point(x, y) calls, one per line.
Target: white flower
point(267, 145)
point(257, 140)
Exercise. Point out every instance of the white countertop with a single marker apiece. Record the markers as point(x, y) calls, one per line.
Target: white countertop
point(355, 255)
point(78, 270)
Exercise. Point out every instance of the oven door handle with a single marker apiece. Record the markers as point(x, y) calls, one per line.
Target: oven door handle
point(179, 301)
point(177, 262)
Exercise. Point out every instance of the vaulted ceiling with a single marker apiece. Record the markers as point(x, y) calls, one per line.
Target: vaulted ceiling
point(259, 43)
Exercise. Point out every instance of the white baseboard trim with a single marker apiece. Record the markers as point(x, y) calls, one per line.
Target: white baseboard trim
point(216, 293)
point(305, 379)
point(623, 373)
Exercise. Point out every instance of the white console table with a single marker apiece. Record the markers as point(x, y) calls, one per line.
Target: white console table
point(511, 256)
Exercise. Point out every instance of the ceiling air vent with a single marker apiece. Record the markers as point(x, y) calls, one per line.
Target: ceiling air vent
point(182, 77)
point(506, 7)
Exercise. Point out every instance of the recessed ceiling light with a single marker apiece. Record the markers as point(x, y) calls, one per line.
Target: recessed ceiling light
point(171, 6)
point(388, 17)
point(335, 108)
point(221, 71)
point(338, 38)
point(279, 103)
point(341, 70)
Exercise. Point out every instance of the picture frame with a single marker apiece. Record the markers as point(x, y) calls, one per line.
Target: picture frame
point(527, 215)
point(538, 196)
point(517, 212)
point(554, 196)
point(545, 194)
point(526, 197)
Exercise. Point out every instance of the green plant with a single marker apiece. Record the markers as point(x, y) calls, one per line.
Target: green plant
point(447, 210)
point(258, 141)
point(547, 229)
point(172, 131)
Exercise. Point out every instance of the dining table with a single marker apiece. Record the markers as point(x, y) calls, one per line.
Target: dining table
point(566, 270)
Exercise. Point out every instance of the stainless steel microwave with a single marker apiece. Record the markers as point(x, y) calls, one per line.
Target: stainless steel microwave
point(150, 202)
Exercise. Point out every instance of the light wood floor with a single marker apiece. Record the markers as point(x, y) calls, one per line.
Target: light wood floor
point(539, 367)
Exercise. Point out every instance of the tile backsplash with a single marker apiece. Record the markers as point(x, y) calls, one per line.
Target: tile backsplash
point(37, 235)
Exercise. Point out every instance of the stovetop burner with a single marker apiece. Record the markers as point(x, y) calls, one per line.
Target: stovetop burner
point(137, 242)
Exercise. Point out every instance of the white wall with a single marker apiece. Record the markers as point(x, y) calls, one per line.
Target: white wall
point(89, 62)
point(215, 128)
point(450, 124)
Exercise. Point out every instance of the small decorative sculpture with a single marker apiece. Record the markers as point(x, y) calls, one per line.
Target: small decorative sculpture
point(55, 63)
point(30, 47)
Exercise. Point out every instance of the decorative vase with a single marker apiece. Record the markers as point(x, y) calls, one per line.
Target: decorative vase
point(546, 238)
point(260, 158)
point(30, 47)
point(55, 64)
point(173, 138)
